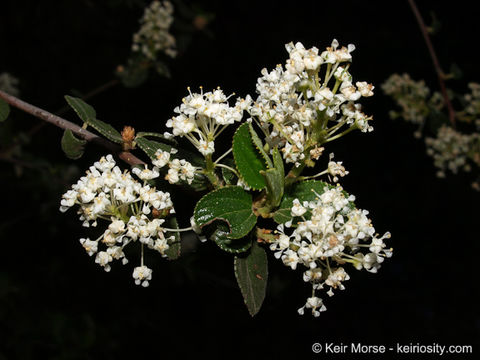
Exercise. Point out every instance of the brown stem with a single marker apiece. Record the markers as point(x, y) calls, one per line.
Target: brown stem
point(67, 125)
point(436, 63)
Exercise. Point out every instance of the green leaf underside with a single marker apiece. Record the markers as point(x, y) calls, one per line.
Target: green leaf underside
point(174, 249)
point(303, 191)
point(258, 144)
point(71, 146)
point(251, 272)
point(248, 160)
point(4, 110)
point(220, 236)
point(231, 204)
point(88, 115)
point(275, 179)
point(229, 176)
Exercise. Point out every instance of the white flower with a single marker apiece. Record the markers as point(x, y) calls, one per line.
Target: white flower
point(349, 91)
point(116, 252)
point(105, 163)
point(162, 157)
point(146, 174)
point(290, 258)
point(90, 246)
point(336, 168)
point(161, 245)
point(314, 303)
point(103, 259)
point(297, 208)
point(365, 88)
point(182, 125)
point(109, 238)
point(336, 277)
point(206, 147)
point(142, 275)
point(68, 200)
point(117, 226)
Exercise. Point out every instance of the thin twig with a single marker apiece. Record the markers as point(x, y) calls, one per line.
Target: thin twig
point(67, 125)
point(436, 63)
point(90, 94)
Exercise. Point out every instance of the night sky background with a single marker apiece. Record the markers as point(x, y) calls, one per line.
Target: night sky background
point(56, 303)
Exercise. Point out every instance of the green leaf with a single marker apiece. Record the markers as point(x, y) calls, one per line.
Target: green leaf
point(248, 160)
point(83, 110)
point(106, 130)
point(4, 110)
point(71, 146)
point(88, 115)
point(219, 231)
point(303, 191)
point(251, 272)
point(175, 248)
point(154, 134)
point(150, 147)
point(231, 204)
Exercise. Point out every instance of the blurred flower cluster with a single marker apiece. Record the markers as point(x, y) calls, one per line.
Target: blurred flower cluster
point(453, 147)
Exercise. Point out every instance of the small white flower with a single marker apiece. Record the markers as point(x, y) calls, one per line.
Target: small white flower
point(290, 258)
point(68, 200)
point(90, 246)
point(161, 158)
point(297, 208)
point(314, 303)
point(142, 275)
point(117, 226)
point(103, 259)
point(146, 174)
point(365, 88)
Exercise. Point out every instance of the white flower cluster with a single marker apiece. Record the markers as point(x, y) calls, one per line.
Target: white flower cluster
point(9, 84)
point(328, 233)
point(451, 150)
point(298, 109)
point(134, 210)
point(179, 169)
point(202, 118)
point(153, 36)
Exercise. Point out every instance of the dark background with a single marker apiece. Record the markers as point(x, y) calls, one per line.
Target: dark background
point(56, 303)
